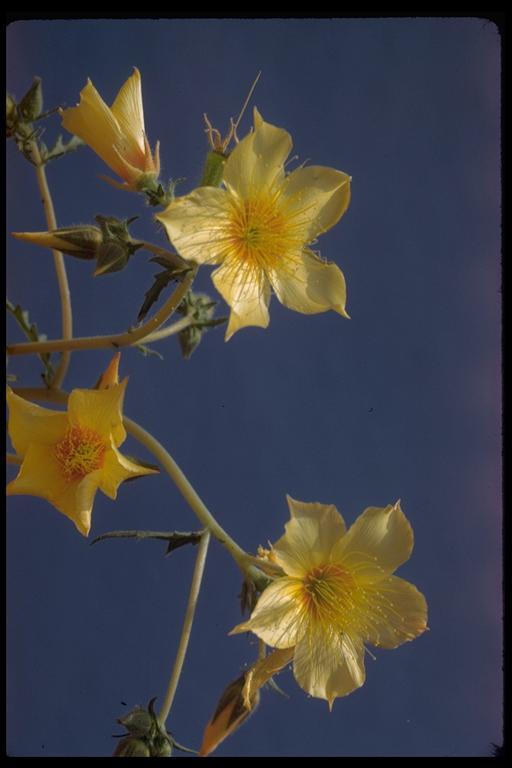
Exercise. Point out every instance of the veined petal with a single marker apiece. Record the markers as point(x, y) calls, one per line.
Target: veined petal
point(41, 475)
point(309, 537)
point(278, 618)
point(381, 533)
point(29, 423)
point(309, 285)
point(397, 612)
point(246, 289)
point(257, 162)
point(197, 224)
point(318, 195)
point(118, 468)
point(99, 409)
point(328, 665)
point(129, 113)
point(93, 121)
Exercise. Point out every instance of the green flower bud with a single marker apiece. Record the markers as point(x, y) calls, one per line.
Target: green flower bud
point(131, 747)
point(31, 104)
point(138, 722)
point(161, 747)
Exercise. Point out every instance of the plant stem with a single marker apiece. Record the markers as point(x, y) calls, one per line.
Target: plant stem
point(186, 629)
point(170, 330)
point(115, 341)
point(60, 267)
point(241, 557)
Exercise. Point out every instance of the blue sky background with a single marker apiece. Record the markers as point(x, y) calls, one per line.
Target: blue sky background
point(402, 401)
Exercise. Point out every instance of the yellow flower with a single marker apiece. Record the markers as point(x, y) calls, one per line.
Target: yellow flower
point(116, 133)
point(337, 592)
point(67, 456)
point(258, 229)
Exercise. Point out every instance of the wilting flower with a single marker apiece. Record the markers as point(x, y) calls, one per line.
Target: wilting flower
point(116, 133)
point(240, 699)
point(259, 227)
point(67, 456)
point(337, 592)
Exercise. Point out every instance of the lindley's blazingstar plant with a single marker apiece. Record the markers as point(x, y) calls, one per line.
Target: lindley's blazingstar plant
point(259, 227)
point(68, 456)
point(337, 593)
point(116, 133)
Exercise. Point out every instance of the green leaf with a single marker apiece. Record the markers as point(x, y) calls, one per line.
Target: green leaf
point(32, 334)
point(175, 539)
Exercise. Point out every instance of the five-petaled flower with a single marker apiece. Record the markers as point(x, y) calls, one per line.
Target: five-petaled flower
point(67, 456)
point(258, 229)
point(116, 133)
point(336, 593)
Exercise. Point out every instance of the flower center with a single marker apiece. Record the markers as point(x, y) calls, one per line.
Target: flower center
point(328, 594)
point(80, 452)
point(261, 232)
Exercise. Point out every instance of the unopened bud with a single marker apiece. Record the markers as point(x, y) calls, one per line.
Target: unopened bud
point(138, 722)
point(131, 747)
point(162, 746)
point(82, 241)
point(31, 104)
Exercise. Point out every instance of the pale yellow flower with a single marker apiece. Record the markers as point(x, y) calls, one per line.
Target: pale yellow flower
point(259, 227)
point(116, 133)
point(337, 593)
point(68, 456)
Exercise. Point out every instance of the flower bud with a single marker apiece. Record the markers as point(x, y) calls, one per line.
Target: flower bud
point(138, 722)
point(131, 747)
point(82, 241)
point(31, 104)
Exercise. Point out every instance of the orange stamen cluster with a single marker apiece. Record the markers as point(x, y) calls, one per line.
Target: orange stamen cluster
point(80, 452)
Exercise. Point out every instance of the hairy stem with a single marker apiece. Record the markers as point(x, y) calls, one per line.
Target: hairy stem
point(187, 627)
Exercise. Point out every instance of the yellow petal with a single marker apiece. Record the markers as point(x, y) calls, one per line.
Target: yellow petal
point(92, 120)
point(397, 612)
point(129, 113)
point(240, 699)
point(118, 468)
point(328, 665)
point(110, 376)
point(197, 224)
point(257, 162)
point(381, 533)
point(319, 196)
point(41, 475)
point(29, 423)
point(230, 713)
point(309, 537)
point(309, 285)
point(277, 619)
point(262, 670)
point(44, 239)
point(245, 288)
point(99, 409)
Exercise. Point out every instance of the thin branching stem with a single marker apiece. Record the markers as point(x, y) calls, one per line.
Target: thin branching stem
point(186, 629)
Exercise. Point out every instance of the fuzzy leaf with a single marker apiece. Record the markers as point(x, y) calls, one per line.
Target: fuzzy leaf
point(31, 332)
